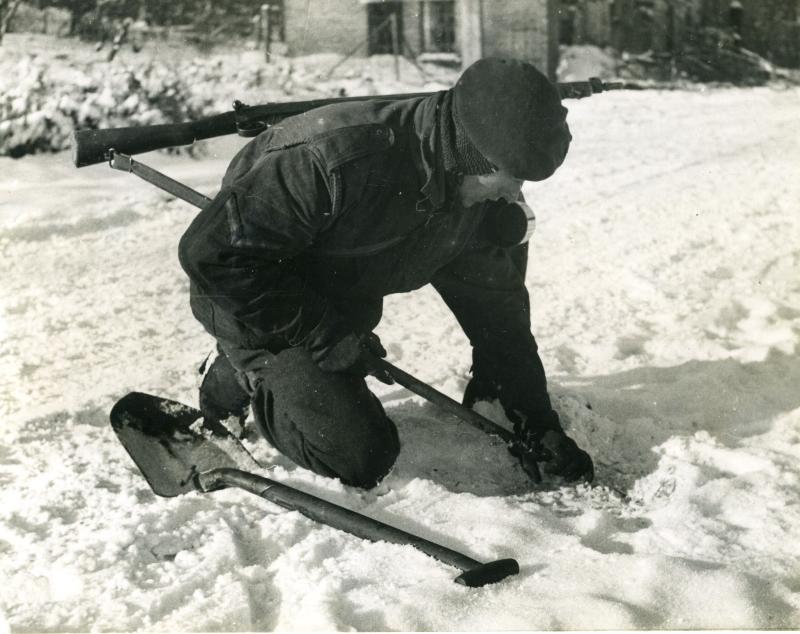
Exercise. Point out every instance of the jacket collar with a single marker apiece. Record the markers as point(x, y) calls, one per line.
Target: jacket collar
point(428, 159)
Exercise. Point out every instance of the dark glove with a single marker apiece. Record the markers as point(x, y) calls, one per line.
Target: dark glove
point(559, 455)
point(354, 354)
point(562, 457)
point(549, 445)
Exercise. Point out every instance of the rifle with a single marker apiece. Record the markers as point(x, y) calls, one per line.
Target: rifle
point(90, 147)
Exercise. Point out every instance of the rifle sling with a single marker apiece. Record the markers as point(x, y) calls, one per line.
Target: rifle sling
point(125, 163)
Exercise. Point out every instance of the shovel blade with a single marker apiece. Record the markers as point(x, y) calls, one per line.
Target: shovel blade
point(164, 440)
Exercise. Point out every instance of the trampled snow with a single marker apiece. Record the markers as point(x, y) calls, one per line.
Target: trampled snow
point(665, 286)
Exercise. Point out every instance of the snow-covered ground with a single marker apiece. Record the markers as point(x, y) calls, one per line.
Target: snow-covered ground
point(666, 294)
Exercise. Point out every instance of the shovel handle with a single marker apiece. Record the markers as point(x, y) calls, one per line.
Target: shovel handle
point(474, 574)
point(445, 402)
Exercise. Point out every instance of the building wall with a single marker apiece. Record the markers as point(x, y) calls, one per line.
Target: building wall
point(324, 26)
point(520, 29)
point(585, 21)
point(524, 29)
point(337, 26)
point(469, 30)
point(412, 20)
point(595, 22)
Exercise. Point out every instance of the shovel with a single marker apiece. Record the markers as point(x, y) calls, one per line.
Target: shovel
point(177, 452)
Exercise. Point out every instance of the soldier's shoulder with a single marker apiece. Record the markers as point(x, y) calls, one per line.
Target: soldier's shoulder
point(344, 144)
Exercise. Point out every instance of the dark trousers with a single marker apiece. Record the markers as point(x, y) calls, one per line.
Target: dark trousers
point(329, 423)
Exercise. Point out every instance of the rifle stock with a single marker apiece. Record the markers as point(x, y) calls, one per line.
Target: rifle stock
point(90, 147)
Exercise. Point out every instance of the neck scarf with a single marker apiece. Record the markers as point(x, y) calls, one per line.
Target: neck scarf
point(460, 155)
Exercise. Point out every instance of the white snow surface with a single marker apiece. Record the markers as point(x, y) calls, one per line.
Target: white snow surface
point(665, 295)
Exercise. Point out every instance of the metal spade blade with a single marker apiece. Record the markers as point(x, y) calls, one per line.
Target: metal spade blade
point(160, 437)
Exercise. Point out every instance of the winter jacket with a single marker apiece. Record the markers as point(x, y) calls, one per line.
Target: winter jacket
point(326, 213)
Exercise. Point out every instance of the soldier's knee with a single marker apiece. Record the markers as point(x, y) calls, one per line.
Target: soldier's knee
point(366, 468)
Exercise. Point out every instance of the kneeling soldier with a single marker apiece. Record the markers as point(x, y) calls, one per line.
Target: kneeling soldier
point(323, 215)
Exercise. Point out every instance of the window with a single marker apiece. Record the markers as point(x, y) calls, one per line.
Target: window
point(440, 26)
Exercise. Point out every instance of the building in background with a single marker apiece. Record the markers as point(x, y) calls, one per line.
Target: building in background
point(466, 29)
point(768, 27)
point(630, 25)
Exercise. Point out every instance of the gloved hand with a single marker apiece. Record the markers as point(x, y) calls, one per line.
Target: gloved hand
point(353, 353)
point(562, 457)
point(557, 452)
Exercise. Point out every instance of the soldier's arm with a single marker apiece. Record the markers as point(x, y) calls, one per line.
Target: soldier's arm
point(485, 289)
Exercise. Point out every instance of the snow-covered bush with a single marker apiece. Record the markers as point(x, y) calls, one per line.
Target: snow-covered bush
point(39, 108)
